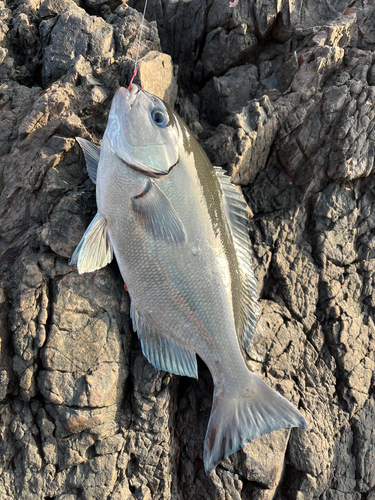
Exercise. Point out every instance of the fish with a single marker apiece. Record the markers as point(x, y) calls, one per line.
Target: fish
point(178, 229)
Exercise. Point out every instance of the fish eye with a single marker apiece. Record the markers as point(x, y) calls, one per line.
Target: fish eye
point(159, 117)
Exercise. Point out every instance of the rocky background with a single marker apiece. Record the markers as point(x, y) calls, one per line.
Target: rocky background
point(281, 94)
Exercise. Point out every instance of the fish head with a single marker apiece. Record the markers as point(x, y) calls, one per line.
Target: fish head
point(143, 131)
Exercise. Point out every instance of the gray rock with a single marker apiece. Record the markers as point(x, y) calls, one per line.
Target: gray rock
point(225, 95)
point(92, 38)
point(256, 128)
point(223, 51)
point(98, 6)
point(7, 69)
point(52, 8)
point(74, 375)
point(366, 35)
point(243, 148)
point(363, 430)
point(203, 22)
point(188, 110)
point(221, 147)
point(126, 24)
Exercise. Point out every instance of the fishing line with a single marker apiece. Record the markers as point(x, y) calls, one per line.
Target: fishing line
point(139, 45)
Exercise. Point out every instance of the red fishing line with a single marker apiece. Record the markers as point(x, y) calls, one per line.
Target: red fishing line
point(131, 81)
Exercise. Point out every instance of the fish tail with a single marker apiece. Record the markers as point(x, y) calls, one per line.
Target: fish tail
point(237, 419)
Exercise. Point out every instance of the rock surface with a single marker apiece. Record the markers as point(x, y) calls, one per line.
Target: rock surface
point(282, 95)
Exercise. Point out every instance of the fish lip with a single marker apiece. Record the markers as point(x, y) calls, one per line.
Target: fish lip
point(130, 95)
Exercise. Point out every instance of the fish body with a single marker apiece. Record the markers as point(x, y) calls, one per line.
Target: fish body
point(177, 227)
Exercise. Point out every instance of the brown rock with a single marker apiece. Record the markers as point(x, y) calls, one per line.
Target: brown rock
point(157, 75)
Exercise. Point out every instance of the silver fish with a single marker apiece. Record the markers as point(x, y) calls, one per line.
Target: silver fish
point(178, 229)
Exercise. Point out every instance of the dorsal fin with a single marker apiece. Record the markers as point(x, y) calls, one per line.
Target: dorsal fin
point(235, 208)
point(92, 154)
point(163, 353)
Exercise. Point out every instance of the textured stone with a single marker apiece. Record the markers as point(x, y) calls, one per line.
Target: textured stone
point(243, 148)
point(157, 76)
point(76, 34)
point(223, 51)
point(256, 127)
point(83, 358)
point(126, 24)
point(51, 8)
point(225, 95)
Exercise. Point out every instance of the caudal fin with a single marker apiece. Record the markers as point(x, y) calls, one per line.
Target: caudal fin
point(239, 418)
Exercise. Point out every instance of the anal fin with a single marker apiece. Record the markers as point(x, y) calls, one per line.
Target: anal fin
point(94, 251)
point(163, 353)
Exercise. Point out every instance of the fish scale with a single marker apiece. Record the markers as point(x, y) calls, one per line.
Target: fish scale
point(178, 230)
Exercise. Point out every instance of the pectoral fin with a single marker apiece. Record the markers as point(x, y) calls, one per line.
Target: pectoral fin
point(92, 154)
point(157, 215)
point(94, 251)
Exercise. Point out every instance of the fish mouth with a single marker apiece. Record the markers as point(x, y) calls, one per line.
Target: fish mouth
point(130, 95)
